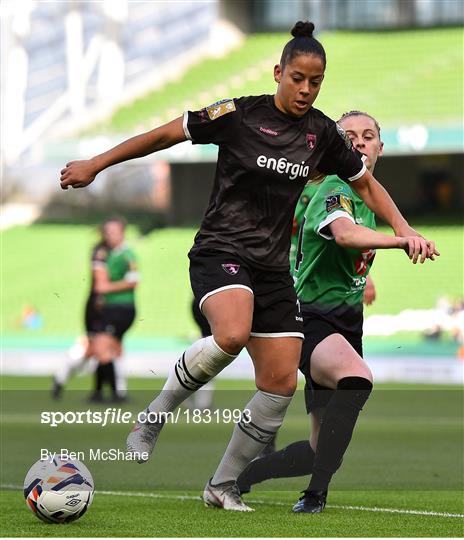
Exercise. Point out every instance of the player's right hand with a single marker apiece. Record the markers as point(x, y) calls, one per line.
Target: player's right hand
point(77, 174)
point(418, 248)
point(407, 231)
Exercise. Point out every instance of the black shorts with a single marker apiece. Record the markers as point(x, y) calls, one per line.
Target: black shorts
point(316, 329)
point(116, 319)
point(276, 309)
point(92, 315)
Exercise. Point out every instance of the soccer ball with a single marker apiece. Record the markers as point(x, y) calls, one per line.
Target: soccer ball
point(58, 490)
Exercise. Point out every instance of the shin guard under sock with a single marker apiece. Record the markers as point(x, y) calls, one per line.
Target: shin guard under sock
point(296, 459)
point(337, 428)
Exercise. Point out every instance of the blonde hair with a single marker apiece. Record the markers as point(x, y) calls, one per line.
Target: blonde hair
point(360, 113)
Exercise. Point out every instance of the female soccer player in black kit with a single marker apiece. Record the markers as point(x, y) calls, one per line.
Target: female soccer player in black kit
point(239, 269)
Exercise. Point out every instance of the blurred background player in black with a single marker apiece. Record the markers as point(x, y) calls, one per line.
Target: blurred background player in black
point(109, 313)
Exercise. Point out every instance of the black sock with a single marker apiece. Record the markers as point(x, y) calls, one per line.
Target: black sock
point(111, 377)
point(108, 376)
point(337, 428)
point(99, 378)
point(296, 459)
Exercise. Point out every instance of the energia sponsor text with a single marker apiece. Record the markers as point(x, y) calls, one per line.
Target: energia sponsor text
point(283, 166)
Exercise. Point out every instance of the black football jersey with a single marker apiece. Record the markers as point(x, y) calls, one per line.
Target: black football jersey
point(264, 161)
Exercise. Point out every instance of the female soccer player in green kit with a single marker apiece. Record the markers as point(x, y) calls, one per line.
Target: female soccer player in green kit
point(335, 250)
point(109, 313)
point(239, 269)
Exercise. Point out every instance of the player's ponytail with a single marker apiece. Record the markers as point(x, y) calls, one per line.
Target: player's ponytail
point(303, 42)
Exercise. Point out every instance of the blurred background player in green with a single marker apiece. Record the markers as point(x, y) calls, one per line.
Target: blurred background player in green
point(109, 313)
point(332, 259)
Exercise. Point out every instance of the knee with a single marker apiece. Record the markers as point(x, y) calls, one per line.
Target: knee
point(360, 370)
point(282, 385)
point(102, 354)
point(104, 358)
point(365, 373)
point(232, 342)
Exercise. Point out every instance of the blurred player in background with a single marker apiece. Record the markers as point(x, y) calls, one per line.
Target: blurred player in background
point(335, 250)
point(109, 313)
point(239, 269)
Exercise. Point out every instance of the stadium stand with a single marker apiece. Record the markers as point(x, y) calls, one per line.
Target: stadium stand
point(248, 70)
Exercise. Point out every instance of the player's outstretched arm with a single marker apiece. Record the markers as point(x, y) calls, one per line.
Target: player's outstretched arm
point(349, 235)
point(379, 201)
point(78, 174)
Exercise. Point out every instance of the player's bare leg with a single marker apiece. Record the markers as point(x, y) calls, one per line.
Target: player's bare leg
point(229, 313)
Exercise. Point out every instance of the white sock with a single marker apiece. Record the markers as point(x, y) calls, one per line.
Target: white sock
point(120, 376)
point(251, 434)
point(202, 361)
point(203, 398)
point(70, 366)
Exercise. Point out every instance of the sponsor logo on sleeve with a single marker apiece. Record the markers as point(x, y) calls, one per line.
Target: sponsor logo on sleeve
point(220, 108)
point(338, 201)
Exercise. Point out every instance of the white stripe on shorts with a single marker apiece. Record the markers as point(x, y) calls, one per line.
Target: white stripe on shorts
point(238, 286)
point(277, 334)
point(185, 126)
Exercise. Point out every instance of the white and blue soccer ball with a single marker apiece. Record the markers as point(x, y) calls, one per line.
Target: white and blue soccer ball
point(58, 490)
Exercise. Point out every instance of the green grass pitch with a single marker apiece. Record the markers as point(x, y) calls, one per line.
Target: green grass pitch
point(402, 474)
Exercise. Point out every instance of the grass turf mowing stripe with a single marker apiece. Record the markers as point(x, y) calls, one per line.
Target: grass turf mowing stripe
point(271, 503)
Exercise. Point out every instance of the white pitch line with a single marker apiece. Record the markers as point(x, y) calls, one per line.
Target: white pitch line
point(271, 503)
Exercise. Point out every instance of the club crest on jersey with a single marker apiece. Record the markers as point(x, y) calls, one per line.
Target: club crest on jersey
point(220, 108)
point(230, 268)
point(311, 141)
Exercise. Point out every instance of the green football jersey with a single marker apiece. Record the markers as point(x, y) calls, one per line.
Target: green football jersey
point(118, 262)
point(329, 277)
point(306, 195)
